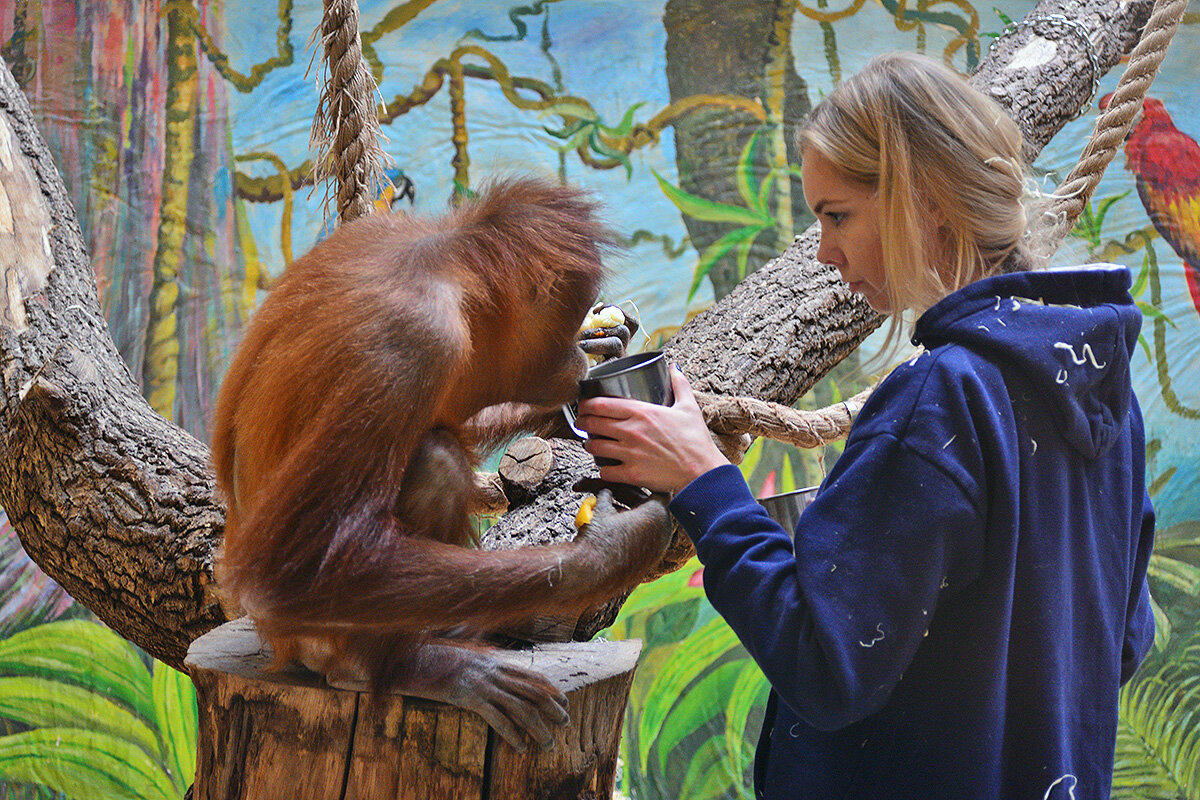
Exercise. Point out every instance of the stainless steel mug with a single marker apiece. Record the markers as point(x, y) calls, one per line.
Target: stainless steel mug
point(641, 376)
point(787, 507)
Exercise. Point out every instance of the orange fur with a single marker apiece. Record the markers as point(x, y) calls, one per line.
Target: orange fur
point(342, 435)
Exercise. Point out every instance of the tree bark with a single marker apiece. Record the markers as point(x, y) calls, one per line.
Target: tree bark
point(111, 500)
point(119, 506)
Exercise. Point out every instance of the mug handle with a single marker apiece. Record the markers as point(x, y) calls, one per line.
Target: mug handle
point(569, 413)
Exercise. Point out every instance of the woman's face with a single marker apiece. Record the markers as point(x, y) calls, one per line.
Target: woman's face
point(849, 216)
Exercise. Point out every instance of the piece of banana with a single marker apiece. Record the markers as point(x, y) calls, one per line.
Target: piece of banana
point(586, 511)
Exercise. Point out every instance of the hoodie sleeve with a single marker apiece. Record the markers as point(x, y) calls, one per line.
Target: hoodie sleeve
point(834, 624)
point(1139, 620)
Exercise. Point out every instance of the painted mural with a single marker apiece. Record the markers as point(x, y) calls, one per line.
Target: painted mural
point(181, 129)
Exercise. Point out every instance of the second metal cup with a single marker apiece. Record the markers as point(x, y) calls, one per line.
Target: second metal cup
point(787, 507)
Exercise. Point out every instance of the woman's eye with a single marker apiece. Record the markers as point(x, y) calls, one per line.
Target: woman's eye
point(836, 217)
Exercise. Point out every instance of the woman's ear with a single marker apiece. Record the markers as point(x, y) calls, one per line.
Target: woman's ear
point(938, 217)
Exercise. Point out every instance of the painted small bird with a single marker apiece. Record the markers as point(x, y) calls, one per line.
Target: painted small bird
point(1165, 161)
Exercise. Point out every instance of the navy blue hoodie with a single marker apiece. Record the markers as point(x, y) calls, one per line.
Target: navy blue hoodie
point(967, 592)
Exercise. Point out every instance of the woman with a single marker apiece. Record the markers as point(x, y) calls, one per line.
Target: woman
point(967, 591)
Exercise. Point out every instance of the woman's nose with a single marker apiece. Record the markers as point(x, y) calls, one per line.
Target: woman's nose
point(826, 252)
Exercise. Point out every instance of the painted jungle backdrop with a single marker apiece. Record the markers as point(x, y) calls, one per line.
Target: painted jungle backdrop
point(181, 129)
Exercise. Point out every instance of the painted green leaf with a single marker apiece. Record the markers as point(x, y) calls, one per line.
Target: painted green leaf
point(84, 765)
point(568, 131)
point(1162, 625)
point(752, 457)
point(575, 139)
point(82, 653)
point(1105, 205)
point(670, 588)
point(1156, 486)
point(696, 708)
point(41, 703)
point(1085, 227)
point(571, 109)
point(626, 123)
point(717, 249)
point(787, 475)
point(1139, 284)
point(709, 210)
point(764, 190)
point(176, 715)
point(1158, 736)
point(1146, 348)
point(1184, 534)
point(708, 774)
point(749, 690)
point(1154, 313)
point(1180, 574)
point(603, 149)
point(743, 256)
point(744, 174)
point(685, 665)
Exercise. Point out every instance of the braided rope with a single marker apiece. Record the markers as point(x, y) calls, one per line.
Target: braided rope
point(728, 416)
point(1071, 197)
point(346, 128)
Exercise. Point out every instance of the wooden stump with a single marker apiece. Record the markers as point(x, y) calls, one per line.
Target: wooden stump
point(271, 735)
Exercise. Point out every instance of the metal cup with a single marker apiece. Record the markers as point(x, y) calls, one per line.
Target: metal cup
point(642, 376)
point(787, 507)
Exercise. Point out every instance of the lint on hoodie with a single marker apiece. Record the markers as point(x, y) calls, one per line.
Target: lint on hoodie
point(967, 592)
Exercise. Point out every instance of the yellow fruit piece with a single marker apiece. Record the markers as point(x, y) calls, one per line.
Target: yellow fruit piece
point(605, 317)
point(586, 510)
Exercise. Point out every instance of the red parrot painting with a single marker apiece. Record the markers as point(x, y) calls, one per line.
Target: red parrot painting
point(1165, 161)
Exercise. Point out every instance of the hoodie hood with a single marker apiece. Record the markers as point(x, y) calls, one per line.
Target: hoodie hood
point(1069, 331)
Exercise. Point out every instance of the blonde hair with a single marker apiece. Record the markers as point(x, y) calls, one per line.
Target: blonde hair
point(946, 161)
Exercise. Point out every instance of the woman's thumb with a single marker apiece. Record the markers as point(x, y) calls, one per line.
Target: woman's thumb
point(681, 388)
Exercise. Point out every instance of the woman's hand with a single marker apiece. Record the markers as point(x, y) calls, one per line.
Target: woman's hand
point(663, 448)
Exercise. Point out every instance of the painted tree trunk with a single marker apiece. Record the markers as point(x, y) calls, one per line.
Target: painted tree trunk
point(707, 55)
point(144, 166)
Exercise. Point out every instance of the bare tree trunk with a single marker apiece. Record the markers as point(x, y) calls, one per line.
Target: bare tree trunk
point(118, 505)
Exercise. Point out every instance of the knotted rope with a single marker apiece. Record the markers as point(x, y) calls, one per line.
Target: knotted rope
point(1073, 194)
point(730, 416)
point(345, 131)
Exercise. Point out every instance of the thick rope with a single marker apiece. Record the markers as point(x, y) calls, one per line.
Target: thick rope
point(346, 130)
point(1068, 201)
point(732, 416)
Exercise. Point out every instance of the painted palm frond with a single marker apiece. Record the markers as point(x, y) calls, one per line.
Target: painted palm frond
point(90, 719)
point(752, 219)
point(1158, 736)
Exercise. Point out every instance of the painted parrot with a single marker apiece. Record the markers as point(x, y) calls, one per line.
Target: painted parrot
point(1165, 161)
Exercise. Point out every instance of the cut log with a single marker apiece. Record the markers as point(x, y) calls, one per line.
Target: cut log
point(266, 735)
